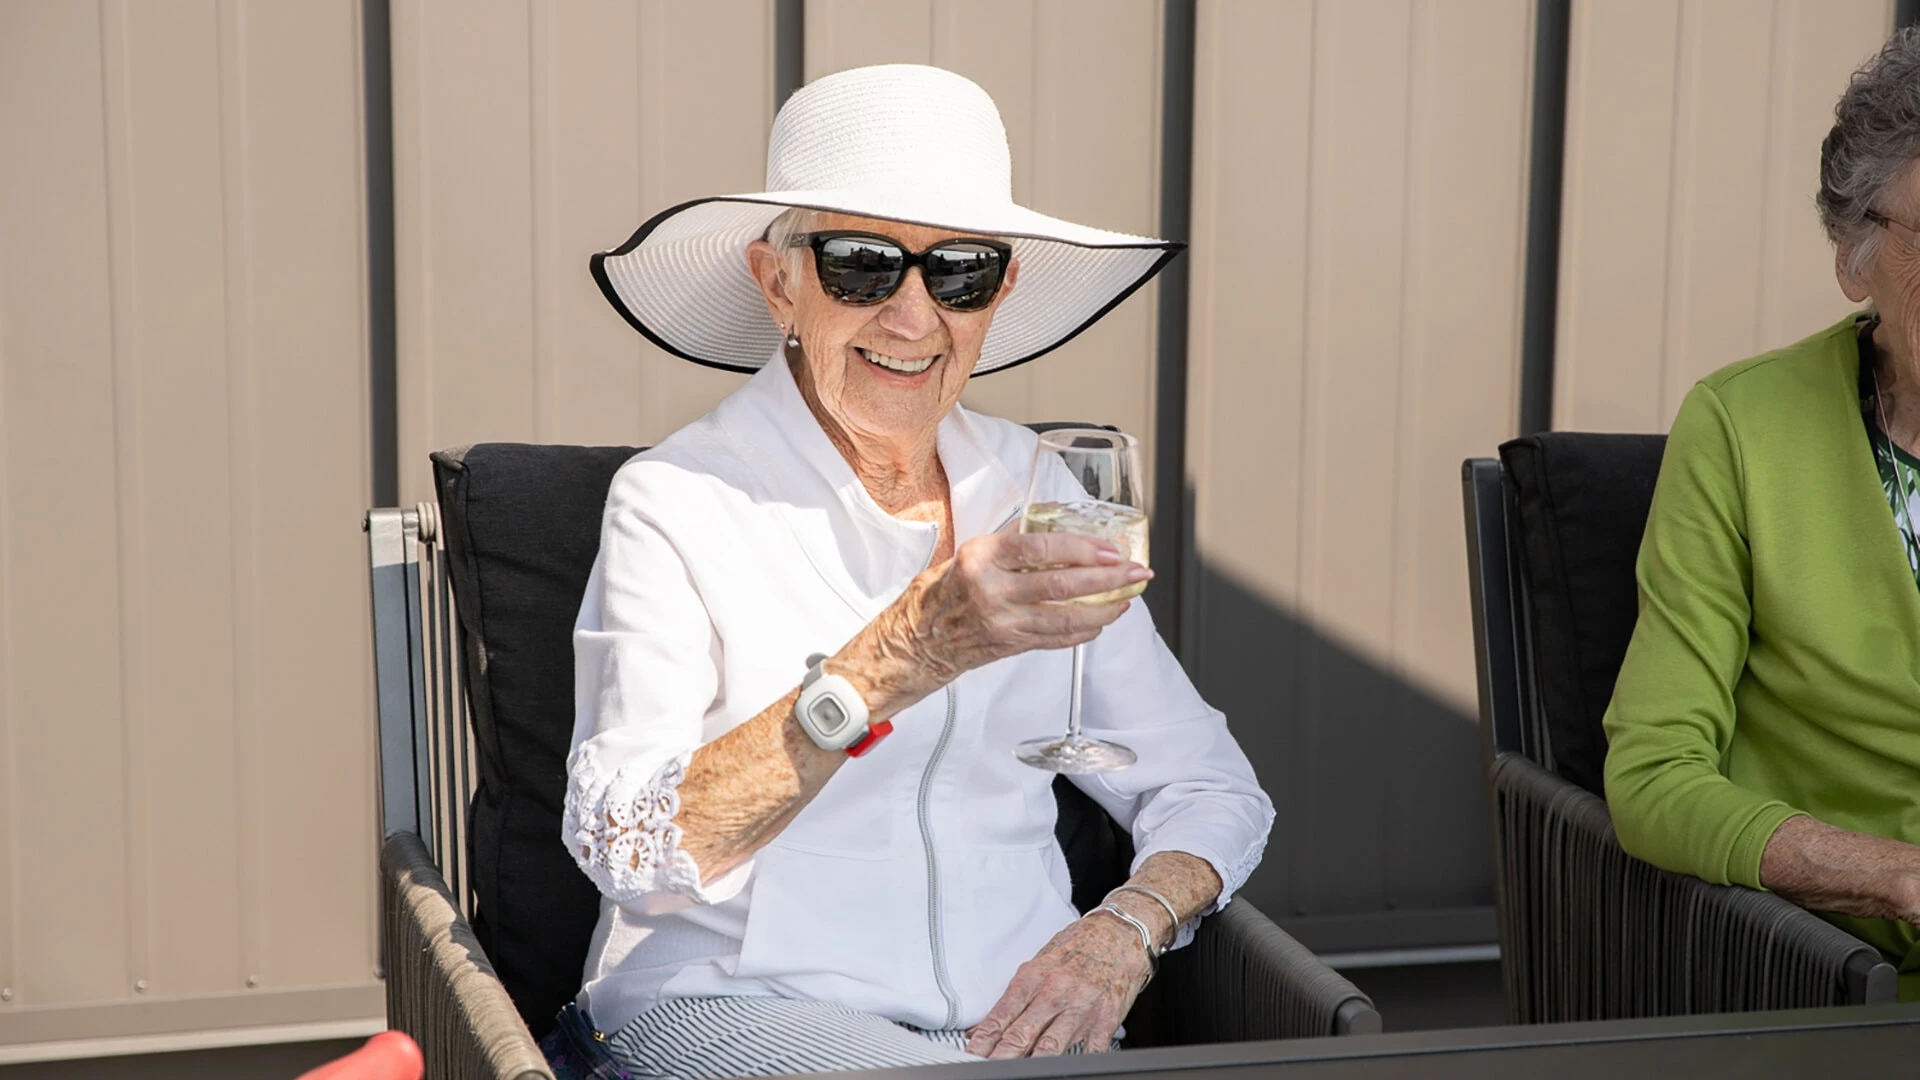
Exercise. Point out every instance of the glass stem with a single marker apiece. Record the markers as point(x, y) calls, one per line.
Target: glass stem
point(1073, 697)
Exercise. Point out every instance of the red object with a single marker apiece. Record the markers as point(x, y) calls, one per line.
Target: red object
point(390, 1055)
point(871, 739)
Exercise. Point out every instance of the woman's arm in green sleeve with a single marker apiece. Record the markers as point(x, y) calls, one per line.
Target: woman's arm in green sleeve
point(1672, 714)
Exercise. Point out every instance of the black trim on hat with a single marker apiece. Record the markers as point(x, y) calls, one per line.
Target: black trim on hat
point(597, 265)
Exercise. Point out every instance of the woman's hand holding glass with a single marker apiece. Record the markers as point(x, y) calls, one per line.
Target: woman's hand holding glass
point(1000, 595)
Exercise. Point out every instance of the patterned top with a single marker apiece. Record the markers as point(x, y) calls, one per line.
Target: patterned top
point(1897, 467)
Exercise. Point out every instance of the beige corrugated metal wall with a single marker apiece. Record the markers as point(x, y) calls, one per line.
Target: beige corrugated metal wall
point(528, 135)
point(185, 720)
point(1689, 237)
point(185, 712)
point(1359, 203)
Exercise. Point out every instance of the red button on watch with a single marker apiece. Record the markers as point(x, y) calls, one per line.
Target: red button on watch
point(875, 732)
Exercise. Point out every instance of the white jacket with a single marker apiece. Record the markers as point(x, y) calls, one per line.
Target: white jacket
point(926, 871)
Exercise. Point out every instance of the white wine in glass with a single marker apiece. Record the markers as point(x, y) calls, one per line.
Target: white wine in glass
point(1098, 495)
point(1125, 527)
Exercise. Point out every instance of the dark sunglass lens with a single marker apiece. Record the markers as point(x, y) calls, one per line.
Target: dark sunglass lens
point(859, 271)
point(964, 276)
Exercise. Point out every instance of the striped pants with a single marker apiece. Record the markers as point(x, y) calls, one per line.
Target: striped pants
point(706, 1038)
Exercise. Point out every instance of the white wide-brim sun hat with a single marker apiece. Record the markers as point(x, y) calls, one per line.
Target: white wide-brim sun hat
point(902, 142)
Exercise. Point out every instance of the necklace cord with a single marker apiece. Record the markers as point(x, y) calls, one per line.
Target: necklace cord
point(1893, 457)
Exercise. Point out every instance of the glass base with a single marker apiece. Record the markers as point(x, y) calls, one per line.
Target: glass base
point(1075, 754)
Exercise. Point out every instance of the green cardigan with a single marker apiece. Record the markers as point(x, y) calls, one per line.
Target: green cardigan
point(1775, 667)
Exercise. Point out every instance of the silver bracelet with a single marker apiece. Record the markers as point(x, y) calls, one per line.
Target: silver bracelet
point(1173, 917)
point(1146, 937)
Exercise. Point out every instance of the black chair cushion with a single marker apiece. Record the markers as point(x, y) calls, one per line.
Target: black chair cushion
point(1581, 504)
point(522, 526)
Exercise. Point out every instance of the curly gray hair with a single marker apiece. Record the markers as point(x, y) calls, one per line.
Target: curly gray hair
point(1874, 142)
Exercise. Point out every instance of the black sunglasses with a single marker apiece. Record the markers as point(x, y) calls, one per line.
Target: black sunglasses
point(865, 268)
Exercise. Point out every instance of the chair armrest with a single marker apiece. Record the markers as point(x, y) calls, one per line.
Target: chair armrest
point(440, 988)
point(1588, 932)
point(1245, 979)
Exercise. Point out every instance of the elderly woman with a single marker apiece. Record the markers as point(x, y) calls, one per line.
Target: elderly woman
point(1765, 729)
point(784, 892)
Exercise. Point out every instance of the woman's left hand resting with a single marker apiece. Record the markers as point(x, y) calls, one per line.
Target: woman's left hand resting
point(1081, 986)
point(1077, 991)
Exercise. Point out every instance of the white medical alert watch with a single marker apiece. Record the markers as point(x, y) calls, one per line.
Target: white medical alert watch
point(834, 714)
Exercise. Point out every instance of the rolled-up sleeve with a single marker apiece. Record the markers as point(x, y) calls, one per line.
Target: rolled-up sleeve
point(646, 673)
point(1192, 790)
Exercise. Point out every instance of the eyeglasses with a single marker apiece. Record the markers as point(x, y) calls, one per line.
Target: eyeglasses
point(866, 268)
point(1907, 235)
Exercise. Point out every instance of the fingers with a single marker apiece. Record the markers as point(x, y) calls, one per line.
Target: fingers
point(1100, 1034)
point(1071, 582)
point(1038, 551)
point(986, 1034)
point(1058, 1011)
point(978, 609)
point(1062, 1033)
point(1022, 1037)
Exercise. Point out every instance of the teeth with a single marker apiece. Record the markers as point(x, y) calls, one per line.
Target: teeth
point(906, 367)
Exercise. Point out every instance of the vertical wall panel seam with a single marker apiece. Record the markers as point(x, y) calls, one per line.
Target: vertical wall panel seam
point(9, 759)
point(421, 415)
point(1307, 277)
point(1038, 76)
point(382, 296)
point(1172, 524)
point(1394, 662)
point(643, 196)
point(789, 49)
point(1683, 66)
point(1198, 385)
point(1300, 854)
point(1546, 179)
point(539, 404)
point(1768, 181)
point(121, 230)
point(1403, 414)
point(231, 96)
point(1039, 118)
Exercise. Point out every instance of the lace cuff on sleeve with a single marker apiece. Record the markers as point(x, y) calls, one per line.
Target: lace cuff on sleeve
point(620, 829)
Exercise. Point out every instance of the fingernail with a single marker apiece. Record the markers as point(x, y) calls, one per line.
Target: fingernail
point(1109, 557)
point(1138, 573)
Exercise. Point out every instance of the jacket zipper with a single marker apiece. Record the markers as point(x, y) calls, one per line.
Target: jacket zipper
point(935, 937)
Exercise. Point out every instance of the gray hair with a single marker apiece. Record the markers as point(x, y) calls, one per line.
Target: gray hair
point(1874, 142)
point(791, 223)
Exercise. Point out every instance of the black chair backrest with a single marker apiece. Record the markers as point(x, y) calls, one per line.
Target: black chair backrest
point(1569, 521)
point(522, 526)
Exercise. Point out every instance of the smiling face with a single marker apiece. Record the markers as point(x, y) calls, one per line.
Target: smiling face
point(883, 373)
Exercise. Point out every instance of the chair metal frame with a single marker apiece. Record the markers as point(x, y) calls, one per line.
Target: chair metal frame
point(1587, 932)
point(441, 989)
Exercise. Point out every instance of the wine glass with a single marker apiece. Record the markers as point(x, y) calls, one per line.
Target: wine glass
point(1086, 481)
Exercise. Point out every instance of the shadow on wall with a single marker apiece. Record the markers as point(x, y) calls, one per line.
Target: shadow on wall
point(1381, 837)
